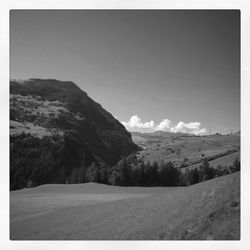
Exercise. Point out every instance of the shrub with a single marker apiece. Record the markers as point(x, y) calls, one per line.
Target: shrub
point(205, 171)
point(236, 166)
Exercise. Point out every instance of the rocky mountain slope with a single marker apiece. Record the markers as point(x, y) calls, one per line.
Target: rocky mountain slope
point(45, 113)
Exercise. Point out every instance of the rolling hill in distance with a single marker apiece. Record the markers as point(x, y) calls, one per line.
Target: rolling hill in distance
point(186, 148)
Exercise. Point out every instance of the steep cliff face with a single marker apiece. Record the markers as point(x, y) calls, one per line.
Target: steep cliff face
point(52, 108)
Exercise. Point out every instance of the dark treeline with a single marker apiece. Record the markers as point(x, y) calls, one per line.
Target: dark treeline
point(65, 159)
point(165, 174)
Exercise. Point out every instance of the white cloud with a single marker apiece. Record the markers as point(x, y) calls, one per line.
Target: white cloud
point(135, 123)
point(191, 128)
point(164, 125)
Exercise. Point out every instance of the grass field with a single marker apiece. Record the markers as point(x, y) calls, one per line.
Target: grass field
point(226, 160)
point(208, 210)
point(177, 147)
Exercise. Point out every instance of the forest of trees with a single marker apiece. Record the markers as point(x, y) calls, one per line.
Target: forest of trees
point(65, 159)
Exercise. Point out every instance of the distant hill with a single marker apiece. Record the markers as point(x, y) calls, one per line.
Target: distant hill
point(179, 147)
point(52, 112)
point(160, 134)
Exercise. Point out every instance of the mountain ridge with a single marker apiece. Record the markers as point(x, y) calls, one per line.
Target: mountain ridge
point(60, 109)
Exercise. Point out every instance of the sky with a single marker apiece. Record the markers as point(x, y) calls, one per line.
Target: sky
point(176, 71)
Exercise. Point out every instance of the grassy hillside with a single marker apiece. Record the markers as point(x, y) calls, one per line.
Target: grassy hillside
point(177, 147)
point(59, 106)
point(57, 131)
point(208, 210)
point(226, 160)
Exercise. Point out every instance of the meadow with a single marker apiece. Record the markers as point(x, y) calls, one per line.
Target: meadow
point(90, 211)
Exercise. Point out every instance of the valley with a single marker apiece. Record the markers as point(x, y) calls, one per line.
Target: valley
point(186, 150)
point(76, 173)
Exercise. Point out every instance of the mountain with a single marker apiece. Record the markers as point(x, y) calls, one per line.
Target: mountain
point(160, 134)
point(47, 113)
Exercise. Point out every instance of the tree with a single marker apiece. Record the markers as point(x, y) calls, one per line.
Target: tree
point(184, 177)
point(147, 174)
point(154, 173)
point(114, 178)
point(73, 176)
point(104, 173)
point(169, 175)
point(205, 171)
point(124, 172)
point(140, 174)
point(193, 177)
point(236, 166)
point(92, 173)
point(151, 174)
point(81, 174)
